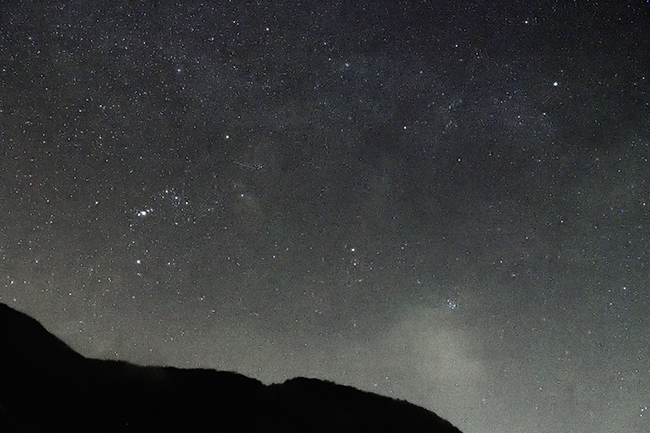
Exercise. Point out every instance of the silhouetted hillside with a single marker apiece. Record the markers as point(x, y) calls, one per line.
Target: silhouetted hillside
point(46, 386)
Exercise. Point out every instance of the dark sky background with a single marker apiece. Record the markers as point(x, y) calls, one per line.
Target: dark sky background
point(445, 202)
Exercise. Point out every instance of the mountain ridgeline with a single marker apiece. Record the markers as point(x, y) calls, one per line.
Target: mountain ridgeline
point(47, 386)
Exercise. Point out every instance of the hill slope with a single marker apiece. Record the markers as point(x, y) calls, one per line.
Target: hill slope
point(46, 386)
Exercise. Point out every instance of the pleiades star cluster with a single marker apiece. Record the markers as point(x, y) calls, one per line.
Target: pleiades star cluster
point(439, 201)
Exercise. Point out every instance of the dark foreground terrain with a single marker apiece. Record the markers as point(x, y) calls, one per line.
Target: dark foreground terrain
point(46, 386)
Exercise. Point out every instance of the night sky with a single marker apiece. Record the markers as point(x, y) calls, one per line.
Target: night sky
point(439, 201)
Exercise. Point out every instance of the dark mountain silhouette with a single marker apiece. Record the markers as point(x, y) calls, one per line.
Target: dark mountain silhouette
point(46, 386)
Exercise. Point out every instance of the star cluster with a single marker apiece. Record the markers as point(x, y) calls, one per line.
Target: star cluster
point(444, 202)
